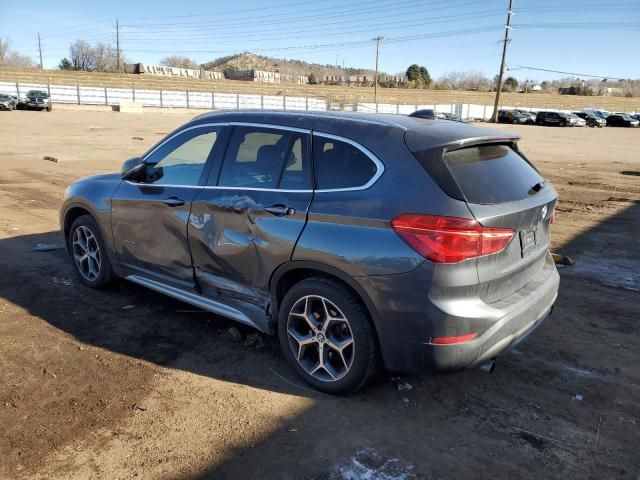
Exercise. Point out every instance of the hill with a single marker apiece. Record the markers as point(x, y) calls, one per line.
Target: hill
point(249, 61)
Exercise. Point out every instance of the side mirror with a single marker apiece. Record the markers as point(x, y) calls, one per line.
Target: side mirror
point(132, 168)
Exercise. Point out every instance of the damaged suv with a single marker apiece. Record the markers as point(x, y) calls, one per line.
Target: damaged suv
point(361, 241)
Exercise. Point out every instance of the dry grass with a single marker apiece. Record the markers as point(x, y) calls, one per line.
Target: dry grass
point(333, 93)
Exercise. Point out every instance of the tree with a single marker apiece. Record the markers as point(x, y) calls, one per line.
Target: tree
point(9, 58)
point(65, 64)
point(419, 76)
point(104, 58)
point(413, 72)
point(179, 61)
point(511, 82)
point(81, 56)
point(313, 80)
point(426, 78)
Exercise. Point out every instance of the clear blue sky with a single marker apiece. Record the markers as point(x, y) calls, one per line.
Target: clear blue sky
point(585, 36)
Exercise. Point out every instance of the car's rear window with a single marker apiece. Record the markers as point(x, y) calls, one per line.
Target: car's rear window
point(492, 174)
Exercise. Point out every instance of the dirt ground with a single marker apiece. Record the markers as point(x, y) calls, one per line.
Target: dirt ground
point(126, 383)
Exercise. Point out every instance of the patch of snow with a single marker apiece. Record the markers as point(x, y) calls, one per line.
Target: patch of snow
point(368, 464)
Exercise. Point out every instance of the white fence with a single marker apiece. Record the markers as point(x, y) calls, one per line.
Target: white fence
point(74, 94)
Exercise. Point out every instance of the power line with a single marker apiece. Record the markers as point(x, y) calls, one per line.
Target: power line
point(522, 67)
point(339, 30)
point(348, 12)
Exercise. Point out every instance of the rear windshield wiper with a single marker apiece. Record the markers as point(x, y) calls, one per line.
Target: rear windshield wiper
point(536, 188)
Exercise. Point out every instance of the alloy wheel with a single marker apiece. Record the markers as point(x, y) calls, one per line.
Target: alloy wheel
point(320, 338)
point(86, 253)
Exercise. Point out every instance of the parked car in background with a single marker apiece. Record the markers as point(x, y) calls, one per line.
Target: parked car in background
point(511, 116)
point(292, 224)
point(597, 112)
point(578, 121)
point(621, 120)
point(7, 102)
point(591, 119)
point(531, 116)
point(635, 116)
point(35, 100)
point(558, 119)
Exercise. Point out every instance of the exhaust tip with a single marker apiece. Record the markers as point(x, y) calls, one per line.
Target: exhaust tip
point(488, 367)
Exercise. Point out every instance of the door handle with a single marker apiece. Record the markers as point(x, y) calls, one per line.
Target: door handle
point(280, 210)
point(173, 201)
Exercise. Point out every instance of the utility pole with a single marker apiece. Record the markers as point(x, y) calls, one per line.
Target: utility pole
point(40, 50)
point(494, 116)
point(375, 82)
point(117, 46)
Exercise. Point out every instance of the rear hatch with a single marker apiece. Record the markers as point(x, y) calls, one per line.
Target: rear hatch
point(501, 189)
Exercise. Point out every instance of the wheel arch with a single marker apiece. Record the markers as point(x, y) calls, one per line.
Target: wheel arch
point(295, 271)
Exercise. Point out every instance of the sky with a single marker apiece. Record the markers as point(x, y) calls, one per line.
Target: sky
point(594, 37)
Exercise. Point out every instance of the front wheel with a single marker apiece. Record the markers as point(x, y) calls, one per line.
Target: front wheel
point(89, 253)
point(326, 335)
point(49, 108)
point(563, 124)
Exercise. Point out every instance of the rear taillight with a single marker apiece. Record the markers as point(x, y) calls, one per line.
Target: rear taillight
point(449, 239)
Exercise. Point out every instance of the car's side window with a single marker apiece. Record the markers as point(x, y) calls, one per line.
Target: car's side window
point(259, 157)
point(181, 160)
point(339, 164)
point(297, 171)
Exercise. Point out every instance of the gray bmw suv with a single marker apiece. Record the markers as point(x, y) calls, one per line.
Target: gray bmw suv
point(361, 241)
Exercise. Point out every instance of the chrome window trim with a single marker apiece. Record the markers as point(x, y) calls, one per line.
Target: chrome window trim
point(379, 165)
point(380, 168)
point(224, 124)
point(215, 187)
point(168, 139)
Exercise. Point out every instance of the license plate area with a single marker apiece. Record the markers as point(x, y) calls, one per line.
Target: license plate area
point(528, 241)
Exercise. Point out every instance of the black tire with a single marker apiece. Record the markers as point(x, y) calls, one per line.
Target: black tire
point(364, 363)
point(592, 124)
point(49, 108)
point(539, 122)
point(515, 122)
point(105, 275)
point(562, 123)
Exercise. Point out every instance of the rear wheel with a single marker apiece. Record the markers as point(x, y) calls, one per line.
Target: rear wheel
point(563, 123)
point(89, 253)
point(326, 335)
point(539, 122)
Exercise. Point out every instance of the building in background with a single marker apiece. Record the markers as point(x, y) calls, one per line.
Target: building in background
point(162, 70)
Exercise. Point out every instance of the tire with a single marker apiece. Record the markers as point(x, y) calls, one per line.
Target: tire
point(539, 122)
point(515, 122)
point(562, 124)
point(85, 228)
point(351, 327)
point(49, 108)
point(592, 124)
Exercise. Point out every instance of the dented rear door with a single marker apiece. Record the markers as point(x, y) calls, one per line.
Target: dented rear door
point(246, 222)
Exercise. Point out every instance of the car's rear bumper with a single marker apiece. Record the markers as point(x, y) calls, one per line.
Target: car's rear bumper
point(409, 322)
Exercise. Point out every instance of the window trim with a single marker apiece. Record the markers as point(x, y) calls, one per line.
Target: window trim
point(379, 165)
point(380, 168)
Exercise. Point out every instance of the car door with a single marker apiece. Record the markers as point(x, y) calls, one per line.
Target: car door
point(247, 221)
point(150, 214)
